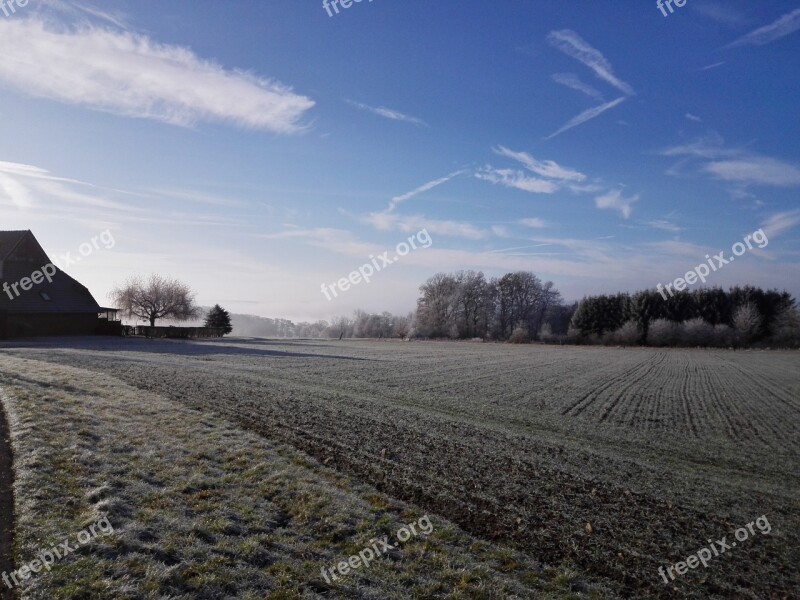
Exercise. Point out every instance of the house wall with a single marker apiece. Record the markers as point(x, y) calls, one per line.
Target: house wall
point(14, 325)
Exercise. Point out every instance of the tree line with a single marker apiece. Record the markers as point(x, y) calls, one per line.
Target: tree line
point(467, 305)
point(740, 316)
point(517, 307)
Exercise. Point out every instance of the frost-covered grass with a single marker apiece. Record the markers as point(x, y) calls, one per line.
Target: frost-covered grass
point(204, 509)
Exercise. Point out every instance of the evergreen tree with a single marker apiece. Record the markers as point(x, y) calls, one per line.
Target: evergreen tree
point(713, 305)
point(219, 317)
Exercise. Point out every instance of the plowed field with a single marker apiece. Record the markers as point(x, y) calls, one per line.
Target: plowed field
point(617, 461)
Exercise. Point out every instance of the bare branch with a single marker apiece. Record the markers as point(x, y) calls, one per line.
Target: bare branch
point(157, 298)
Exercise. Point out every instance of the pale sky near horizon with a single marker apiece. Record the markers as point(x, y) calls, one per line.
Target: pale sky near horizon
point(257, 150)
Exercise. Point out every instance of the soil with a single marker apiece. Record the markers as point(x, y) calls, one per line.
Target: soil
point(616, 462)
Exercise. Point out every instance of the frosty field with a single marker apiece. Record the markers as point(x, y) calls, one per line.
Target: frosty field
point(612, 462)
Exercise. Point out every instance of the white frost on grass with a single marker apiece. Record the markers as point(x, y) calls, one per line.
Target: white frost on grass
point(203, 509)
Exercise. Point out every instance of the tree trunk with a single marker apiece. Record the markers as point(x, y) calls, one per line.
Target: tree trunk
point(152, 321)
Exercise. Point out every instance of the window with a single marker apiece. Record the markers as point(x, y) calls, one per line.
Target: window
point(45, 296)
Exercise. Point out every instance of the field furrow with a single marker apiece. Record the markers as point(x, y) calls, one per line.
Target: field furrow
point(616, 461)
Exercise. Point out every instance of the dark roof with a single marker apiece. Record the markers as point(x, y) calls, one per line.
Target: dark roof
point(8, 241)
point(20, 257)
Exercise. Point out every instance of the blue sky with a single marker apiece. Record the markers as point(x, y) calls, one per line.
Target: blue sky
point(257, 150)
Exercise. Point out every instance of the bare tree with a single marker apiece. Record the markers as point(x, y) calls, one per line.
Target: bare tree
point(471, 298)
point(549, 297)
point(402, 325)
point(156, 298)
point(437, 306)
point(520, 294)
point(341, 327)
point(747, 322)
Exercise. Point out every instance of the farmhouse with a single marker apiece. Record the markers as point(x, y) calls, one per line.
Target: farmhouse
point(36, 298)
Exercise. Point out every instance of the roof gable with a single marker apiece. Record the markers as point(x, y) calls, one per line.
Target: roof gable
point(21, 257)
point(9, 241)
point(21, 246)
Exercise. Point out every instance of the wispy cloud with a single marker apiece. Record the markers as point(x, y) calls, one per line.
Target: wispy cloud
point(595, 251)
point(384, 221)
point(388, 220)
point(758, 170)
point(501, 231)
point(546, 168)
point(616, 201)
point(585, 188)
point(132, 75)
point(421, 189)
point(196, 197)
point(80, 10)
point(780, 223)
point(725, 14)
point(117, 19)
point(587, 115)
point(574, 83)
point(339, 241)
point(712, 66)
point(533, 223)
point(387, 113)
point(692, 117)
point(663, 225)
point(573, 45)
point(733, 164)
point(30, 187)
point(32, 194)
point(787, 24)
point(317, 232)
point(709, 146)
point(507, 250)
point(513, 178)
point(554, 177)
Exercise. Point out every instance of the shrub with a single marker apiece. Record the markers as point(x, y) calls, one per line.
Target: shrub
point(723, 336)
point(747, 322)
point(663, 332)
point(520, 335)
point(696, 332)
point(787, 329)
point(574, 335)
point(546, 333)
point(627, 335)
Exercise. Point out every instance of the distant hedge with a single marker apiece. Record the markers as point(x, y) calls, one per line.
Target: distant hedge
point(707, 317)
